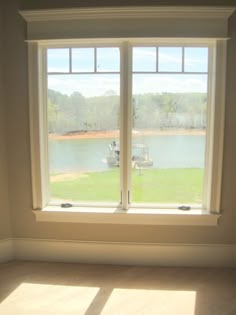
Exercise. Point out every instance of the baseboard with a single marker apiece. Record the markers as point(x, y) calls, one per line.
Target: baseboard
point(6, 250)
point(126, 253)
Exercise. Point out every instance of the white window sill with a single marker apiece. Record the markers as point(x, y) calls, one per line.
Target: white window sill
point(132, 216)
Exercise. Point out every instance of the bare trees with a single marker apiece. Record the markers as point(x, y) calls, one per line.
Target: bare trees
point(76, 113)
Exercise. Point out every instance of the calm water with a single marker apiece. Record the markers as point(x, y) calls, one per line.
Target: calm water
point(89, 154)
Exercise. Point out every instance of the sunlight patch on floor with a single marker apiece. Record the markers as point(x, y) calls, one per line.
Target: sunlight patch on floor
point(48, 299)
point(158, 302)
point(29, 298)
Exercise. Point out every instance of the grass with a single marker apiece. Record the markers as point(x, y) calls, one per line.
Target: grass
point(148, 185)
point(92, 186)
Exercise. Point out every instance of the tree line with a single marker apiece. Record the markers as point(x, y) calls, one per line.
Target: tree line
point(76, 113)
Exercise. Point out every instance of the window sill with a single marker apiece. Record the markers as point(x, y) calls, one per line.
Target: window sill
point(132, 216)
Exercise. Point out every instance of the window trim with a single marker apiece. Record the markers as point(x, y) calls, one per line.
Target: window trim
point(206, 22)
point(209, 23)
point(133, 216)
point(38, 117)
point(129, 12)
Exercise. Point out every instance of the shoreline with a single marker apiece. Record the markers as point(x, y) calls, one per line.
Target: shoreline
point(135, 133)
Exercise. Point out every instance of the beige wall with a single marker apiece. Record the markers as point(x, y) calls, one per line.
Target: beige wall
point(24, 224)
point(46, 4)
point(5, 231)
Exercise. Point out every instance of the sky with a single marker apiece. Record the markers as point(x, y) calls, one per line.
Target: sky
point(165, 59)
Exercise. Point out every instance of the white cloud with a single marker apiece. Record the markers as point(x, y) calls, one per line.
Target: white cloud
point(95, 85)
point(87, 85)
point(169, 83)
point(140, 52)
point(166, 58)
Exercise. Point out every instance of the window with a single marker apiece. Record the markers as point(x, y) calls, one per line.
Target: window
point(142, 142)
point(83, 110)
point(169, 124)
point(127, 122)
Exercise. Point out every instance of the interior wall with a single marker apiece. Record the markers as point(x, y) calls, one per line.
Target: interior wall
point(47, 4)
point(5, 229)
point(24, 224)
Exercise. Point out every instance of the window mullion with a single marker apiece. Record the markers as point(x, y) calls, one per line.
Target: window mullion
point(70, 60)
point(44, 130)
point(125, 122)
point(209, 130)
point(95, 60)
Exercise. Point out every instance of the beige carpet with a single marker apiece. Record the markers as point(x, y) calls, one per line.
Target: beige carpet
point(56, 288)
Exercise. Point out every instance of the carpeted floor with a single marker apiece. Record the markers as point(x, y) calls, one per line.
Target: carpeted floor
point(57, 288)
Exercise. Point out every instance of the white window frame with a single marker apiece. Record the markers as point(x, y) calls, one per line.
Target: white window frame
point(208, 215)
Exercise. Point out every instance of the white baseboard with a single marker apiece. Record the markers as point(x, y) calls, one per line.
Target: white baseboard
point(6, 250)
point(119, 253)
point(126, 253)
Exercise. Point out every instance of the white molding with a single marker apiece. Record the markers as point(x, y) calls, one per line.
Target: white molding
point(219, 120)
point(215, 126)
point(38, 118)
point(128, 13)
point(6, 250)
point(132, 216)
point(190, 255)
point(121, 22)
point(34, 114)
point(126, 253)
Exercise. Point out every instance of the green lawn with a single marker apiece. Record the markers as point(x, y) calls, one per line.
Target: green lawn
point(148, 185)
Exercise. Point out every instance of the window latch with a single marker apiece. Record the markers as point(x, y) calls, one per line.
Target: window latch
point(66, 205)
point(184, 208)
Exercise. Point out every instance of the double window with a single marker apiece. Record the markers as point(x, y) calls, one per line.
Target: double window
point(130, 123)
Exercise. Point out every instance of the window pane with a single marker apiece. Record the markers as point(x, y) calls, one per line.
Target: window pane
point(144, 59)
point(170, 59)
point(108, 60)
point(58, 60)
point(168, 142)
point(83, 60)
point(195, 59)
point(83, 124)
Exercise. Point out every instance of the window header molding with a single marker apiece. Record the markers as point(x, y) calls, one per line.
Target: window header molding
point(131, 22)
point(128, 13)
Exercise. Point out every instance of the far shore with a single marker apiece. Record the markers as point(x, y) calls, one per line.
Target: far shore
point(135, 133)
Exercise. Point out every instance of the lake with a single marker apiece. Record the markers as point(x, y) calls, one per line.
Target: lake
point(166, 151)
